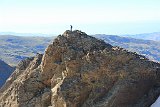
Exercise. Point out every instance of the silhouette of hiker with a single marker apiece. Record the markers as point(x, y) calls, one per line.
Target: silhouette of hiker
point(71, 27)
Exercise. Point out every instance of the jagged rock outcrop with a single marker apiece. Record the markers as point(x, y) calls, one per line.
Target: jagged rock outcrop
point(78, 70)
point(5, 72)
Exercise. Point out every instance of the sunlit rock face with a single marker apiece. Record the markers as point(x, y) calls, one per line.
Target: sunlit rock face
point(78, 70)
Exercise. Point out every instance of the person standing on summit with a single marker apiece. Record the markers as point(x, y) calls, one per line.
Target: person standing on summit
point(71, 27)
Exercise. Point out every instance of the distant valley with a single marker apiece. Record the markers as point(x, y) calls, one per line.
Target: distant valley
point(15, 48)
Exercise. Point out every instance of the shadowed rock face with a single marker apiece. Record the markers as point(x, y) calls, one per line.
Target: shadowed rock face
point(78, 70)
point(5, 72)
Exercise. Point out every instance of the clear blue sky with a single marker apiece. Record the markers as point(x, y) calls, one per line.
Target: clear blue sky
point(91, 16)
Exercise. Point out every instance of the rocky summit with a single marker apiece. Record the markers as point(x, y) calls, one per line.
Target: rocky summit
point(78, 70)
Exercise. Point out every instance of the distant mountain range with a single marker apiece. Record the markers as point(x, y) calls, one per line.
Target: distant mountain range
point(148, 48)
point(146, 36)
point(25, 34)
point(15, 48)
point(5, 72)
point(155, 36)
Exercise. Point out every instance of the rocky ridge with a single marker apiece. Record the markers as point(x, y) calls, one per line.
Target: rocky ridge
point(78, 70)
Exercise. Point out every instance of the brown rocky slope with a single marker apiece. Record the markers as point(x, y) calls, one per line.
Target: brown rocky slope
point(78, 70)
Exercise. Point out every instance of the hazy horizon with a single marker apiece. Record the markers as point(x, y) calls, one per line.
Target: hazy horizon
point(52, 34)
point(117, 17)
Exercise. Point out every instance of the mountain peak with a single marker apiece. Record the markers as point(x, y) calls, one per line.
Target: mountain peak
point(75, 32)
point(78, 70)
point(80, 40)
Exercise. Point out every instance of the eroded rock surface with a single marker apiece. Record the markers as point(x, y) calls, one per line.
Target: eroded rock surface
point(78, 70)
